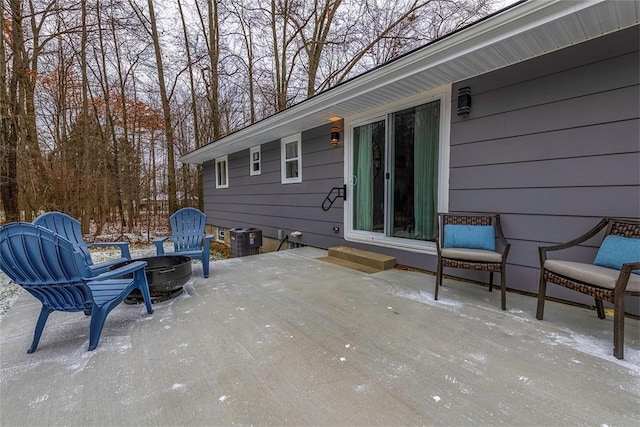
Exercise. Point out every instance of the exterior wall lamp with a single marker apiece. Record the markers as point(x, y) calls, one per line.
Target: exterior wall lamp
point(335, 136)
point(464, 101)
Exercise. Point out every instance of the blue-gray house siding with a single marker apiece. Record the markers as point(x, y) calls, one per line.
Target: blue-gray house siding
point(262, 201)
point(552, 144)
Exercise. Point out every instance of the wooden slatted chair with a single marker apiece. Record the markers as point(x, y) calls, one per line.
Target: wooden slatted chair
point(613, 274)
point(56, 272)
point(189, 237)
point(474, 242)
point(69, 228)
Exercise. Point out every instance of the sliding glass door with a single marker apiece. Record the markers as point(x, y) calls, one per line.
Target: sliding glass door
point(395, 174)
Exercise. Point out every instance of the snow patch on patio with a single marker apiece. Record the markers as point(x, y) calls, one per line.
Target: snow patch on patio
point(179, 387)
point(74, 359)
point(600, 348)
point(424, 298)
point(38, 400)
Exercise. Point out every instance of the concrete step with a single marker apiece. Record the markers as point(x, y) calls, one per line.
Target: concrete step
point(365, 261)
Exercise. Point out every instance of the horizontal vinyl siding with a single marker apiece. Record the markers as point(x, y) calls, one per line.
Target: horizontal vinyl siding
point(550, 145)
point(553, 145)
point(262, 201)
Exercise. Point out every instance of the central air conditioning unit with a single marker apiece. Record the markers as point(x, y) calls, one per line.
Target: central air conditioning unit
point(245, 241)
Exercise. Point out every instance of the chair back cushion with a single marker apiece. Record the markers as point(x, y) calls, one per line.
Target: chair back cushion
point(469, 237)
point(618, 250)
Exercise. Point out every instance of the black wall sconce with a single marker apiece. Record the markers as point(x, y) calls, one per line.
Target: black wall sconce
point(335, 136)
point(464, 101)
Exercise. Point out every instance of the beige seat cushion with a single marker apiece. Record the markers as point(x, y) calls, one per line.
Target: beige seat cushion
point(479, 255)
point(589, 273)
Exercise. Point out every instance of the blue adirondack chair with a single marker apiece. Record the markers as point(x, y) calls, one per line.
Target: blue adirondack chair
point(189, 237)
point(56, 272)
point(69, 228)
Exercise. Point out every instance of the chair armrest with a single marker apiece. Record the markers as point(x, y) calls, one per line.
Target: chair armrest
point(505, 251)
point(206, 244)
point(158, 241)
point(575, 242)
point(631, 266)
point(625, 274)
point(124, 247)
point(118, 272)
point(500, 236)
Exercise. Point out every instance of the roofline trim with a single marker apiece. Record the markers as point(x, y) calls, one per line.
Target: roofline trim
point(515, 19)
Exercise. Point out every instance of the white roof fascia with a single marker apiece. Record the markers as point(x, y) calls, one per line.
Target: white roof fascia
point(504, 25)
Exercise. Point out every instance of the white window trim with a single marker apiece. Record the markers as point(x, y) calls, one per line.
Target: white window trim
point(379, 239)
point(219, 160)
point(220, 234)
point(283, 142)
point(253, 150)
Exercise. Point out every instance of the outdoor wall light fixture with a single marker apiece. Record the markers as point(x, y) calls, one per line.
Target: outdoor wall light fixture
point(464, 101)
point(335, 136)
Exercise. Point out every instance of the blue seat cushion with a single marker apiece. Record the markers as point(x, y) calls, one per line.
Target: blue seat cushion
point(618, 250)
point(469, 237)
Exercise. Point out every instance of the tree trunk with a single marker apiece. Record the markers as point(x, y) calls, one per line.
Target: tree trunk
point(10, 115)
point(214, 54)
point(166, 109)
point(194, 108)
point(115, 154)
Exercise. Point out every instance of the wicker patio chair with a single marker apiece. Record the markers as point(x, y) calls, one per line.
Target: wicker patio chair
point(474, 242)
point(609, 279)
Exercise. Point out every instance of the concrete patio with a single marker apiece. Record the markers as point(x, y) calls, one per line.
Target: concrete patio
point(286, 339)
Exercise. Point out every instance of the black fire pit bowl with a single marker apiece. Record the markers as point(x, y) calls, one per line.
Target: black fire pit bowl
point(166, 276)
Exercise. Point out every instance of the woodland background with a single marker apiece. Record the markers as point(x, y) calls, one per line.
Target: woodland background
point(98, 98)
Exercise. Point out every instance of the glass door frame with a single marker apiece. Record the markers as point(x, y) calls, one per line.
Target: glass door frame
point(384, 114)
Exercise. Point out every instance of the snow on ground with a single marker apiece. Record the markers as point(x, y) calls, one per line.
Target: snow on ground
point(9, 292)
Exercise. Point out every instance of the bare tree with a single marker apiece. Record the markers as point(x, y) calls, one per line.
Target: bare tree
point(166, 106)
point(319, 21)
point(114, 168)
point(9, 113)
point(246, 20)
point(285, 49)
point(194, 107)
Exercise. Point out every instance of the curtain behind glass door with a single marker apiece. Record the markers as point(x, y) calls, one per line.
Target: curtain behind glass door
point(368, 177)
point(414, 144)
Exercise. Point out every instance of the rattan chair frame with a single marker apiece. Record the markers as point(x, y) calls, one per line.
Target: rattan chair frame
point(491, 267)
point(612, 226)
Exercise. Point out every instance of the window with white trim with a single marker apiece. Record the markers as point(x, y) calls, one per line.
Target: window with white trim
point(220, 234)
point(255, 165)
point(291, 159)
point(222, 172)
